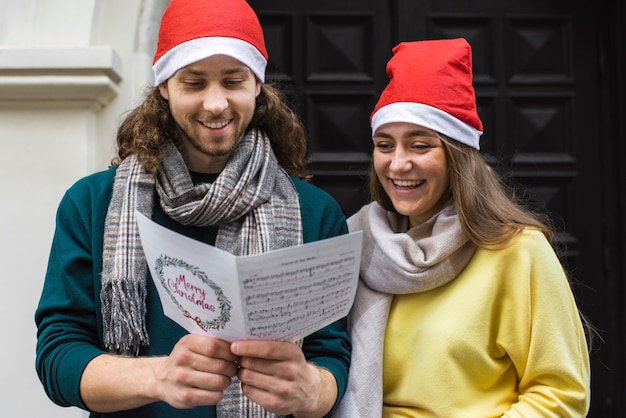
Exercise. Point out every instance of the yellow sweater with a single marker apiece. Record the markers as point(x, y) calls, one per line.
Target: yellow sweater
point(502, 339)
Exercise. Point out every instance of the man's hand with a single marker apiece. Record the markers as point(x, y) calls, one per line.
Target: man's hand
point(276, 376)
point(195, 373)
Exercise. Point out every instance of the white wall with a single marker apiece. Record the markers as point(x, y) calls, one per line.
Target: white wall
point(35, 170)
point(68, 70)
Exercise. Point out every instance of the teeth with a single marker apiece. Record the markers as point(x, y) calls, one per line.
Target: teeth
point(407, 183)
point(216, 125)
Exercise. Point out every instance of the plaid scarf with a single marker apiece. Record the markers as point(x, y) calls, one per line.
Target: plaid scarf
point(253, 200)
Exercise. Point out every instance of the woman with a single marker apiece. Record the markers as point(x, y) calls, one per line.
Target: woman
point(464, 309)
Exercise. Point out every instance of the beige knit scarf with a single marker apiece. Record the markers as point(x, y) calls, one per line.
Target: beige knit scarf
point(253, 201)
point(395, 260)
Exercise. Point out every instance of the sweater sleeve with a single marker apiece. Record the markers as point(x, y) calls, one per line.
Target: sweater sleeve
point(550, 356)
point(66, 317)
point(329, 347)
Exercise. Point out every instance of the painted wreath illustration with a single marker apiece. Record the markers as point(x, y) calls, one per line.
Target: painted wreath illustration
point(224, 304)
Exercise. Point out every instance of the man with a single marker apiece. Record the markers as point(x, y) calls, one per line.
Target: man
point(206, 154)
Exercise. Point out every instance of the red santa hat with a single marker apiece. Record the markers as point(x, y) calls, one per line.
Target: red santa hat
point(192, 30)
point(431, 85)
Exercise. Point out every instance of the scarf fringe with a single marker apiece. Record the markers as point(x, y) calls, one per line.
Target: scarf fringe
point(124, 312)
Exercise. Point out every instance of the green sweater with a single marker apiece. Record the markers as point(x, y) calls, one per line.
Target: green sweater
point(68, 316)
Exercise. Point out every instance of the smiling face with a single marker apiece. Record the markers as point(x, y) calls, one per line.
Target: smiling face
point(411, 165)
point(212, 102)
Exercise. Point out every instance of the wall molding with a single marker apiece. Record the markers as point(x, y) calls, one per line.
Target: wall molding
point(59, 78)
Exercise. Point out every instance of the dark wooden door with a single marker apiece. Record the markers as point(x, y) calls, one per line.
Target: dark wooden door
point(539, 90)
point(329, 56)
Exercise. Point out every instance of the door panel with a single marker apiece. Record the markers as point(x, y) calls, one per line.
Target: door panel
point(327, 55)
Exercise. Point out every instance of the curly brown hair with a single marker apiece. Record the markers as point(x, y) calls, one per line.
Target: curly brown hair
point(143, 128)
point(490, 212)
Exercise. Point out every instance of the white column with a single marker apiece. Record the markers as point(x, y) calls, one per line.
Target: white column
point(68, 70)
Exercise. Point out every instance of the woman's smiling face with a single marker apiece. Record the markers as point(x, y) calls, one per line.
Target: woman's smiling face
point(412, 167)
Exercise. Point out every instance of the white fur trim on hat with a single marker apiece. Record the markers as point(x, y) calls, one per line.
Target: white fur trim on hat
point(428, 117)
point(197, 49)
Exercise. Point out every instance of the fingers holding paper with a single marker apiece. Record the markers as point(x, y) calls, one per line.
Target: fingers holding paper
point(277, 376)
point(196, 372)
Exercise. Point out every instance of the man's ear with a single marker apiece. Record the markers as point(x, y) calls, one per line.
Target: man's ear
point(163, 90)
